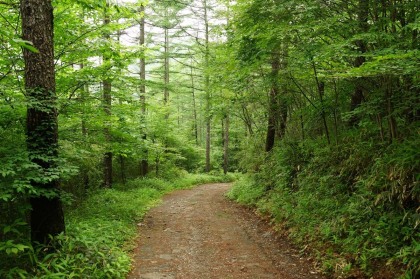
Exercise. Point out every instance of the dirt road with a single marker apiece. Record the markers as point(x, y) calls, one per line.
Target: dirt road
point(199, 234)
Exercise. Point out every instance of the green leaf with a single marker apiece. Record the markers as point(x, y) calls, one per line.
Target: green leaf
point(25, 44)
point(7, 229)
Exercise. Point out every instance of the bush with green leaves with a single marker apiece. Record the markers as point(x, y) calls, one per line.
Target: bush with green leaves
point(355, 205)
point(99, 236)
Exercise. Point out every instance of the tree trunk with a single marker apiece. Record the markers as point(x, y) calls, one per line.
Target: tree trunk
point(392, 123)
point(83, 96)
point(281, 99)
point(321, 93)
point(335, 112)
point(207, 87)
point(166, 64)
point(122, 169)
point(107, 159)
point(226, 145)
point(273, 109)
point(194, 106)
point(107, 102)
point(47, 216)
point(144, 165)
point(357, 96)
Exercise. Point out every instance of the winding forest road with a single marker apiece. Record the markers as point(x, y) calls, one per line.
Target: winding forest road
point(199, 234)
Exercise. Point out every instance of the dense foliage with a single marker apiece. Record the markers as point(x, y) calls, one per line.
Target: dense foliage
point(343, 178)
point(100, 232)
point(113, 116)
point(318, 102)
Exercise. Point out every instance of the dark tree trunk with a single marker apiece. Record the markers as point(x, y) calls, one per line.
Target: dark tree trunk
point(107, 159)
point(392, 123)
point(47, 216)
point(273, 109)
point(122, 169)
point(281, 99)
point(83, 96)
point(226, 145)
point(321, 92)
point(357, 97)
point(107, 102)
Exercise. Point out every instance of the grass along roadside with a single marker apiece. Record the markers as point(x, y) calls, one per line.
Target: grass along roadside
point(101, 230)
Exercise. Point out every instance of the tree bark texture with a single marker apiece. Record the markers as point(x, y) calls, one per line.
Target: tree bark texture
point(47, 216)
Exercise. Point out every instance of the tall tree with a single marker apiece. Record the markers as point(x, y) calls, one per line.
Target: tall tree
point(47, 216)
point(273, 109)
point(144, 168)
point(363, 27)
point(207, 83)
point(166, 59)
point(107, 103)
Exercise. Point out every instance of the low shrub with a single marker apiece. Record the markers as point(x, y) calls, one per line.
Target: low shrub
point(99, 235)
point(355, 205)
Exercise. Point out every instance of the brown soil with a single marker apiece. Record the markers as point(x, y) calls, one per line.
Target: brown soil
point(200, 234)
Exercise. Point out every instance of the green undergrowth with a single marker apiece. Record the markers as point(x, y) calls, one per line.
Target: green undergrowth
point(100, 232)
point(356, 207)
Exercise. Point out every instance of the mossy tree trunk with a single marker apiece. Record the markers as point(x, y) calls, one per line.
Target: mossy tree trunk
point(47, 216)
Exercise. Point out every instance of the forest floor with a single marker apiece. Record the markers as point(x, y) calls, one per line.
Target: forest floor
point(200, 234)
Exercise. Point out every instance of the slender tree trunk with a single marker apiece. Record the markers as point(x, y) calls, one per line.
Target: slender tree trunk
point(144, 165)
point(207, 87)
point(392, 123)
point(357, 96)
point(107, 102)
point(247, 121)
point(226, 144)
point(335, 112)
point(122, 169)
point(282, 104)
point(194, 106)
point(83, 95)
point(166, 65)
point(157, 161)
point(273, 109)
point(107, 132)
point(302, 127)
point(381, 127)
point(321, 92)
point(47, 216)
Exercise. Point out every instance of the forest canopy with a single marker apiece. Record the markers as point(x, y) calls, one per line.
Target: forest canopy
point(316, 103)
